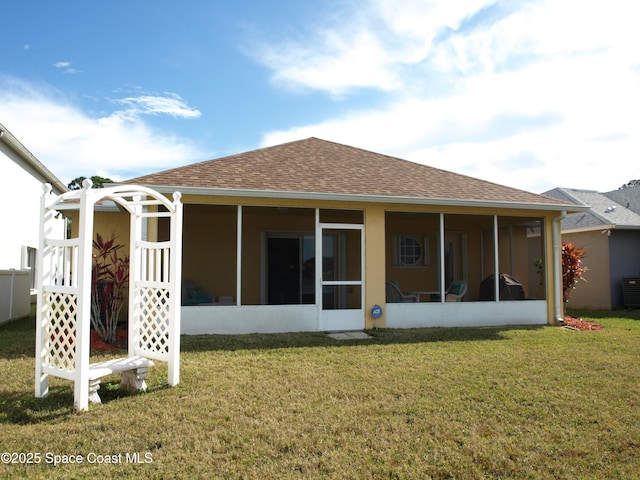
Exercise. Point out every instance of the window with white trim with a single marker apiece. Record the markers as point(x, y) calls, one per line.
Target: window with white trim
point(410, 250)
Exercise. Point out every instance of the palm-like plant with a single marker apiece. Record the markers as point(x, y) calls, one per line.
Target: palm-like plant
point(572, 268)
point(109, 285)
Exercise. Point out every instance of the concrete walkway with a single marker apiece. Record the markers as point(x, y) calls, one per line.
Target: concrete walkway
point(349, 335)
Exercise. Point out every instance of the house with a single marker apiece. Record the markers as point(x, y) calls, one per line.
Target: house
point(23, 176)
point(308, 235)
point(609, 231)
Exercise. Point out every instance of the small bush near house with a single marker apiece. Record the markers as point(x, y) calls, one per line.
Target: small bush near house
point(572, 268)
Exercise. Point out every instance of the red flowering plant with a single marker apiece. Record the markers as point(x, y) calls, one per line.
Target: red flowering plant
point(572, 268)
point(109, 286)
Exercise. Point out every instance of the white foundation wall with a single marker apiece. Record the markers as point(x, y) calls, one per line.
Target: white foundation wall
point(230, 320)
point(466, 314)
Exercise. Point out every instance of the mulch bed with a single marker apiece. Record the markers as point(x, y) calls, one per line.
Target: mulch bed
point(98, 344)
point(579, 324)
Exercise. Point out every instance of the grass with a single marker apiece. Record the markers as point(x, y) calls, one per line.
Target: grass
point(511, 402)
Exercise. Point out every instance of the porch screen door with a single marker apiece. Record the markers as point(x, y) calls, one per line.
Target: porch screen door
point(340, 281)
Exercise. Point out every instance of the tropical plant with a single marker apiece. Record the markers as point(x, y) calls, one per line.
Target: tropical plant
point(572, 268)
point(109, 285)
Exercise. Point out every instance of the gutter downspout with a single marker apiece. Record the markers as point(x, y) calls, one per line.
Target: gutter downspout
point(557, 268)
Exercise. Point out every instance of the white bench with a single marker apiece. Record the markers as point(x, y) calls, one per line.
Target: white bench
point(132, 369)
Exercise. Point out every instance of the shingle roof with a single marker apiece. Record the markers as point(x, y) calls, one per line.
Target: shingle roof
point(319, 166)
point(604, 210)
point(629, 197)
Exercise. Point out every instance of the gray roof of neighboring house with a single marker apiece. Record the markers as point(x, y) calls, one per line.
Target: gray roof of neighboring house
point(315, 167)
point(606, 210)
point(629, 197)
point(29, 162)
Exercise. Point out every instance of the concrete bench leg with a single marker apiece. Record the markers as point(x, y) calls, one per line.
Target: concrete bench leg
point(133, 380)
point(94, 386)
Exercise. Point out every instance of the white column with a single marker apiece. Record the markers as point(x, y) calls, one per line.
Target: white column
point(46, 217)
point(135, 226)
point(83, 315)
point(442, 265)
point(175, 286)
point(496, 260)
point(239, 257)
point(318, 270)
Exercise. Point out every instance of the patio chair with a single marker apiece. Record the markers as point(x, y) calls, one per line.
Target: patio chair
point(395, 295)
point(456, 291)
point(193, 294)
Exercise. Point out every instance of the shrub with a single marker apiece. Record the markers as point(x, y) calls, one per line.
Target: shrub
point(572, 268)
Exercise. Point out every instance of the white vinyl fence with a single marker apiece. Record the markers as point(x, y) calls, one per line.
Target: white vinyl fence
point(15, 295)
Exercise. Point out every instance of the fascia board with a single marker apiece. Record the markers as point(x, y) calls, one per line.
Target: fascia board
point(322, 196)
point(596, 228)
point(602, 228)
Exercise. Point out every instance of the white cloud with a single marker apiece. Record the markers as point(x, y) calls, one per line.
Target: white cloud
point(169, 104)
point(66, 67)
point(545, 96)
point(362, 63)
point(365, 48)
point(71, 143)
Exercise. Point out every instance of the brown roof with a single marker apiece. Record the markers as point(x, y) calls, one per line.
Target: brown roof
point(319, 166)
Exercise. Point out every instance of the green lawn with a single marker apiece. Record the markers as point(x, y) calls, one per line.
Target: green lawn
point(511, 402)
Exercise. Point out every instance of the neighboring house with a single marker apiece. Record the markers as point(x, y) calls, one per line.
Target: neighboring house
point(610, 233)
point(256, 223)
point(22, 178)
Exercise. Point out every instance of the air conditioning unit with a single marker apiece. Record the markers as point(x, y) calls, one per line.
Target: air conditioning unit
point(631, 292)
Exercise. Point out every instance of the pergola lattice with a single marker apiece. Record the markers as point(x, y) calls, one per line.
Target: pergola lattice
point(63, 318)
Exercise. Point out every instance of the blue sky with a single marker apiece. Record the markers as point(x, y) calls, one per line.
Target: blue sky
point(530, 94)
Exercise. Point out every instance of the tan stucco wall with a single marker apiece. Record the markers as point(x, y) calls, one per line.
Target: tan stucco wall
point(375, 267)
point(594, 293)
point(536, 281)
point(209, 248)
point(414, 278)
point(480, 253)
point(106, 223)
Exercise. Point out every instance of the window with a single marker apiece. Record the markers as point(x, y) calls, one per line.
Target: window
point(411, 250)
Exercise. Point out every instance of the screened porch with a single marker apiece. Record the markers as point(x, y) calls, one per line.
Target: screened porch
point(254, 268)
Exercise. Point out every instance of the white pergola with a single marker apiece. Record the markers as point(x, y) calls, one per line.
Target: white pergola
point(63, 319)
